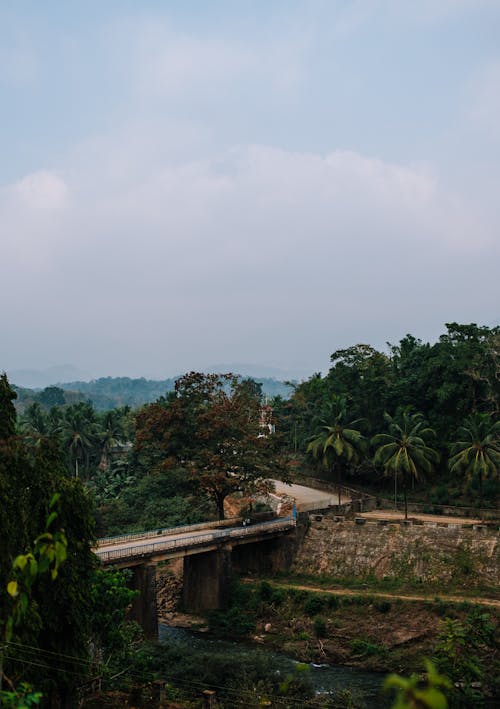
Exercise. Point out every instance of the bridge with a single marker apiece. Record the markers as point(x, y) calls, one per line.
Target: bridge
point(210, 552)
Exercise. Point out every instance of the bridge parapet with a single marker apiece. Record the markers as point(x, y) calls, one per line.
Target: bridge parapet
point(164, 531)
point(191, 541)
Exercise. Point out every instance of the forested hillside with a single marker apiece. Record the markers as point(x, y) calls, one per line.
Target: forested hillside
point(111, 392)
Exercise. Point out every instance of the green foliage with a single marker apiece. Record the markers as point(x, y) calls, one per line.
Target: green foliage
point(232, 622)
point(114, 637)
point(412, 693)
point(320, 629)
point(461, 652)
point(404, 452)
point(56, 619)
point(7, 409)
point(50, 551)
point(240, 679)
point(446, 381)
point(383, 606)
point(21, 697)
point(210, 426)
point(338, 441)
point(314, 605)
point(166, 499)
point(477, 452)
point(367, 649)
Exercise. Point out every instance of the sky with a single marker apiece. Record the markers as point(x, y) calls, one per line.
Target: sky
point(190, 183)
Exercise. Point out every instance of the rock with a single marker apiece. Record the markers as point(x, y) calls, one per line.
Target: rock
point(267, 627)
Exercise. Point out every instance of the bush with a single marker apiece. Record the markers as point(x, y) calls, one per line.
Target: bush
point(231, 622)
point(320, 627)
point(333, 602)
point(440, 496)
point(265, 591)
point(367, 649)
point(314, 605)
point(383, 606)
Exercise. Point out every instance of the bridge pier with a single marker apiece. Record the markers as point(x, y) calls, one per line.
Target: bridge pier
point(207, 580)
point(144, 604)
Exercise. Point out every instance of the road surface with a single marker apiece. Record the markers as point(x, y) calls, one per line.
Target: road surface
point(307, 498)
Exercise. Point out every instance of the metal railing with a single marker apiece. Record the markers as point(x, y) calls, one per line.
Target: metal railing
point(164, 531)
point(194, 540)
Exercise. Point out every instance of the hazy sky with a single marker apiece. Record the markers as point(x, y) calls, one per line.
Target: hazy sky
point(190, 183)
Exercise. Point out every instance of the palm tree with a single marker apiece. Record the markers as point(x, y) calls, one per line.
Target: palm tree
point(478, 450)
point(110, 433)
point(403, 451)
point(79, 433)
point(338, 441)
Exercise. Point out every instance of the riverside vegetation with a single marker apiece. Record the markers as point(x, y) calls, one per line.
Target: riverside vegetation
point(421, 420)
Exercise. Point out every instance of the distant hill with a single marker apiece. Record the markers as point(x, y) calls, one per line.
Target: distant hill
point(40, 378)
point(110, 392)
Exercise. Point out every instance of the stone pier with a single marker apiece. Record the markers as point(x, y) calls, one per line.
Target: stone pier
point(207, 580)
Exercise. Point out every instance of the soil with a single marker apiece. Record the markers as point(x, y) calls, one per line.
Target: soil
point(396, 515)
point(390, 634)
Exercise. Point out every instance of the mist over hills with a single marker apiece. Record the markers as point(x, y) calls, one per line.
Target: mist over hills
point(110, 392)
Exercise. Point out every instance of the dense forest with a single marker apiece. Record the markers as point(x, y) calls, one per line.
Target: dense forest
point(108, 393)
point(420, 419)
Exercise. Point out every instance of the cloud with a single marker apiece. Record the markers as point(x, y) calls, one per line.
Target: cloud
point(163, 62)
point(43, 190)
point(483, 109)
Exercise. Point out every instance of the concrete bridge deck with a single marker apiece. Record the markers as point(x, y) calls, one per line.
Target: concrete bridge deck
point(132, 550)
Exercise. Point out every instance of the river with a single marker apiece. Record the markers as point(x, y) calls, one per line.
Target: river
point(326, 679)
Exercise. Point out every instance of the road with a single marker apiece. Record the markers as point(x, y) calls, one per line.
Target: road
point(307, 498)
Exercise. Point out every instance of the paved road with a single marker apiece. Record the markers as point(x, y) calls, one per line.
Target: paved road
point(308, 498)
point(137, 543)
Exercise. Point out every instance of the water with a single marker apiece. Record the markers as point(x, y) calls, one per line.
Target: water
point(326, 679)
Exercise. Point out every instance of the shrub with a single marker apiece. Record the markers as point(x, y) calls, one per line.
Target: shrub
point(314, 605)
point(333, 602)
point(265, 591)
point(367, 649)
point(320, 627)
point(231, 622)
point(383, 606)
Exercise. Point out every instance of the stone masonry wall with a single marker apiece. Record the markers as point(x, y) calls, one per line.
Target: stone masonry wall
point(434, 554)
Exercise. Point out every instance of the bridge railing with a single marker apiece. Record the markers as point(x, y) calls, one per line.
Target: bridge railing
point(163, 531)
point(145, 550)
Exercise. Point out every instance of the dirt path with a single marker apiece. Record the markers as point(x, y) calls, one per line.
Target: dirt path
point(393, 515)
point(384, 594)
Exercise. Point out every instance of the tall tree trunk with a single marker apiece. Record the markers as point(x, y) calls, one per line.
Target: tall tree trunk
point(406, 501)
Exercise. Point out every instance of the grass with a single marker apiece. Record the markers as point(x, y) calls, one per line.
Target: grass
point(386, 584)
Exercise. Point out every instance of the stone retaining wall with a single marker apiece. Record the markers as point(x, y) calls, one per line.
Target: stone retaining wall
point(434, 554)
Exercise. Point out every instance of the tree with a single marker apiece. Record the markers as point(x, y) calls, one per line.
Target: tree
point(58, 620)
point(211, 427)
point(109, 434)
point(7, 408)
point(338, 441)
point(79, 434)
point(404, 451)
point(477, 453)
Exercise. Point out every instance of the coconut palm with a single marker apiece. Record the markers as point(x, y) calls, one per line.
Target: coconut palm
point(78, 433)
point(338, 440)
point(477, 453)
point(403, 452)
point(110, 434)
